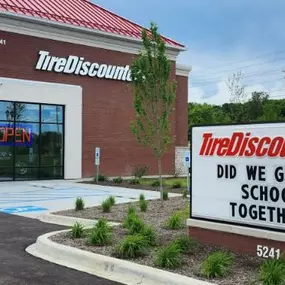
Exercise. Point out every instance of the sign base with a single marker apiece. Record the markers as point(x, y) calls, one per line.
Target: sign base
point(262, 243)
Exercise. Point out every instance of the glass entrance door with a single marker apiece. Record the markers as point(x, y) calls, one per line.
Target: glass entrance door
point(31, 141)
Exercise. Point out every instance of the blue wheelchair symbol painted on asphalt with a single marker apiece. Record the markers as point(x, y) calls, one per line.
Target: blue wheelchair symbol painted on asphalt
point(21, 209)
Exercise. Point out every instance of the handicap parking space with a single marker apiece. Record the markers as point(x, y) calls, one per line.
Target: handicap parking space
point(32, 199)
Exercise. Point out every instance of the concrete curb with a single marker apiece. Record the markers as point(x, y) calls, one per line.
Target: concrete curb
point(68, 221)
point(103, 266)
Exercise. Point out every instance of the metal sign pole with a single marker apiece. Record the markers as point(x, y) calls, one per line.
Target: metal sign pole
point(187, 166)
point(97, 174)
point(97, 162)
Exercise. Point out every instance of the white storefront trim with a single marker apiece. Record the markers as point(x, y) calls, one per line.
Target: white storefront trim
point(52, 93)
point(53, 30)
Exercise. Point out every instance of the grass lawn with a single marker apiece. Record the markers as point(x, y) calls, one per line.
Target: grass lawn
point(166, 181)
point(171, 184)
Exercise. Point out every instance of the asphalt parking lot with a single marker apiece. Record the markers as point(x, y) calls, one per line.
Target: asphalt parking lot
point(19, 268)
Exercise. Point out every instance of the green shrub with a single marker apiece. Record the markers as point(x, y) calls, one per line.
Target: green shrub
point(101, 234)
point(134, 181)
point(131, 210)
point(136, 225)
point(217, 264)
point(79, 204)
point(106, 206)
point(155, 183)
point(129, 218)
point(175, 222)
point(142, 197)
point(149, 235)
point(102, 178)
point(272, 272)
point(185, 243)
point(185, 213)
point(140, 171)
point(77, 230)
point(143, 205)
point(177, 185)
point(169, 257)
point(184, 193)
point(165, 195)
point(131, 247)
point(118, 180)
point(112, 200)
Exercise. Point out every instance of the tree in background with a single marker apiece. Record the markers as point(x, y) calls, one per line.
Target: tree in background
point(256, 105)
point(236, 88)
point(154, 96)
point(258, 108)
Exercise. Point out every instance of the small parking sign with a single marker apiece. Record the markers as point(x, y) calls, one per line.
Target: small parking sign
point(187, 159)
point(97, 156)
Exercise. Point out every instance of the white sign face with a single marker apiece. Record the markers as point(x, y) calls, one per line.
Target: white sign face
point(79, 66)
point(238, 174)
point(187, 159)
point(97, 156)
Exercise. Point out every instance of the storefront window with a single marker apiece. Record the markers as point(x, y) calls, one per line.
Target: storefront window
point(52, 114)
point(6, 111)
point(27, 112)
point(31, 145)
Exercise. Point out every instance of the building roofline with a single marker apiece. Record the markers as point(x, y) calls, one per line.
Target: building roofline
point(183, 70)
point(175, 43)
point(80, 29)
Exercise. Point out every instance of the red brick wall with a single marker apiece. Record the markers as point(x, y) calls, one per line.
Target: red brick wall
point(182, 111)
point(107, 104)
point(238, 243)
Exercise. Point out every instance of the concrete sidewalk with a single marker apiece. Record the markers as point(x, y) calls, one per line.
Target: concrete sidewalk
point(32, 199)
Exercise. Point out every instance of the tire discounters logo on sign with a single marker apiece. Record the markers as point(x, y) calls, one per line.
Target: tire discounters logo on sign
point(79, 66)
point(244, 167)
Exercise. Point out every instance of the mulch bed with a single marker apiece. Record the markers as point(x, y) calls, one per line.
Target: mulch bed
point(125, 184)
point(242, 272)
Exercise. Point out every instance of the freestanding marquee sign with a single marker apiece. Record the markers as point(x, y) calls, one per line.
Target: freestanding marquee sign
point(238, 184)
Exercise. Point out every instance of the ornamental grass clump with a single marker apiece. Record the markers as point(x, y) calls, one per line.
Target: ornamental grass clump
point(79, 204)
point(150, 235)
point(272, 272)
point(186, 243)
point(175, 222)
point(169, 257)
point(101, 234)
point(112, 200)
point(136, 225)
point(165, 195)
point(131, 247)
point(217, 264)
point(106, 206)
point(77, 231)
point(143, 205)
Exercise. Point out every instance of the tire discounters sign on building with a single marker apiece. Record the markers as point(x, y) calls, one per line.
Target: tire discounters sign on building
point(238, 174)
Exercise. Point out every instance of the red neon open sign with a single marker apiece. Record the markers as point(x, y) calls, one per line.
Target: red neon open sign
point(17, 135)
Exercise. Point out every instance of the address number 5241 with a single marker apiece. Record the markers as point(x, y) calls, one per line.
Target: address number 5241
point(266, 252)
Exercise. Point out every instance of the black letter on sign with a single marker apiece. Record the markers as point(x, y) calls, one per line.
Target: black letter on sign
point(233, 208)
point(244, 190)
point(220, 171)
point(279, 174)
point(261, 173)
point(233, 172)
point(251, 172)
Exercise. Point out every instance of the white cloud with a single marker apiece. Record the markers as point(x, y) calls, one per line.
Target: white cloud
point(210, 71)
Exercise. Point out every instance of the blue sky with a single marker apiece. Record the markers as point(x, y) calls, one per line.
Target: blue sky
point(222, 37)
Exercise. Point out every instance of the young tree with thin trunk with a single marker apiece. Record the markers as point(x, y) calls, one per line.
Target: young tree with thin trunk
point(154, 96)
point(236, 88)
